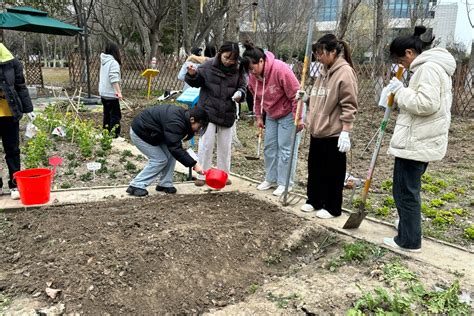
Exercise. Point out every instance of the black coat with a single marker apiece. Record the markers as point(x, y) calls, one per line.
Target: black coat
point(217, 89)
point(166, 124)
point(12, 82)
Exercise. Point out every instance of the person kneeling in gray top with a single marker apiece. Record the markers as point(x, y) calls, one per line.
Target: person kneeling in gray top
point(158, 132)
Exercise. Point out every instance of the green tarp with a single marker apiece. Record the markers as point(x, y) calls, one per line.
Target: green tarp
point(28, 19)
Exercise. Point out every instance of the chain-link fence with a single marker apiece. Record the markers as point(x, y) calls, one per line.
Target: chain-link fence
point(370, 80)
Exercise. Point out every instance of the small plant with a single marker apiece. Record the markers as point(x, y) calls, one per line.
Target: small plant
point(360, 251)
point(106, 139)
point(112, 173)
point(430, 188)
point(71, 156)
point(130, 166)
point(459, 191)
point(469, 232)
point(428, 211)
point(253, 288)
point(383, 211)
point(280, 300)
point(66, 185)
point(126, 153)
point(396, 271)
point(451, 196)
point(69, 172)
point(389, 202)
point(73, 164)
point(441, 183)
point(443, 218)
point(4, 300)
point(447, 301)
point(88, 176)
point(437, 203)
point(426, 178)
point(357, 203)
point(272, 259)
point(381, 300)
point(459, 211)
point(387, 185)
point(36, 151)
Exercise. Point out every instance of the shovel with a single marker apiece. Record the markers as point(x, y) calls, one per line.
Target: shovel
point(355, 219)
point(259, 142)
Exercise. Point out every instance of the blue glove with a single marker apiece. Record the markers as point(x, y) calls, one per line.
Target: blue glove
point(394, 85)
point(344, 142)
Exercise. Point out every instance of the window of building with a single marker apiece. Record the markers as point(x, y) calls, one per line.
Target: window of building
point(328, 10)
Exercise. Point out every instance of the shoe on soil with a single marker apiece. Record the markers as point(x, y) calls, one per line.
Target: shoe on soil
point(15, 194)
point(228, 182)
point(281, 188)
point(199, 182)
point(396, 223)
point(265, 185)
point(322, 213)
point(307, 208)
point(390, 241)
point(169, 190)
point(136, 191)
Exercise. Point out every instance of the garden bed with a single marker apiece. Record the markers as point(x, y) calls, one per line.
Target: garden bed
point(209, 252)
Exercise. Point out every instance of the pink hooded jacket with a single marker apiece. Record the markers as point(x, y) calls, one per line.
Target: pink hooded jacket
point(276, 91)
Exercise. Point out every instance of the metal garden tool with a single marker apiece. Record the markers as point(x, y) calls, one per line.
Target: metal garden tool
point(259, 142)
point(356, 218)
point(307, 58)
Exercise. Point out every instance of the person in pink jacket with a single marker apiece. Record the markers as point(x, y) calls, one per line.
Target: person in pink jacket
point(274, 87)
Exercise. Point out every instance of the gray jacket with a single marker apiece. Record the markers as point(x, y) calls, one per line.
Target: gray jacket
point(109, 74)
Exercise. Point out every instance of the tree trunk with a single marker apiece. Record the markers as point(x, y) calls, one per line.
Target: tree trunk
point(379, 63)
point(343, 20)
point(232, 30)
point(184, 14)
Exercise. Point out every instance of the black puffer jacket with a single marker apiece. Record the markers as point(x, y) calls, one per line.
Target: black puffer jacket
point(166, 124)
point(217, 89)
point(12, 82)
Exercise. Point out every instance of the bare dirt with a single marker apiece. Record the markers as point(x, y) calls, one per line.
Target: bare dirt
point(179, 254)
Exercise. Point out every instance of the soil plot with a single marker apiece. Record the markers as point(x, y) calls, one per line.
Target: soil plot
point(176, 254)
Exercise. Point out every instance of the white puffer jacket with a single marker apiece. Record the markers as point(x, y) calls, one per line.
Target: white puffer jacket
point(421, 129)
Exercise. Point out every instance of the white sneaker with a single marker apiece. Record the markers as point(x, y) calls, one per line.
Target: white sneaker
point(281, 188)
point(322, 213)
point(397, 221)
point(119, 139)
point(389, 241)
point(15, 194)
point(307, 208)
point(265, 185)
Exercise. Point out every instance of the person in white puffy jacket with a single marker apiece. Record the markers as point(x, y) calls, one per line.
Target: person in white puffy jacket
point(421, 128)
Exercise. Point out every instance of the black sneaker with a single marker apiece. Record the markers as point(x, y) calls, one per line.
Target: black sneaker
point(169, 190)
point(136, 191)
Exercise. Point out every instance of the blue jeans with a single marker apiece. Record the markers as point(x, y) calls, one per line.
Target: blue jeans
point(406, 193)
point(277, 149)
point(160, 161)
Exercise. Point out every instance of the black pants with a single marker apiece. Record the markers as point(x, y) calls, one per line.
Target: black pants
point(112, 115)
point(326, 173)
point(10, 135)
point(406, 193)
point(249, 100)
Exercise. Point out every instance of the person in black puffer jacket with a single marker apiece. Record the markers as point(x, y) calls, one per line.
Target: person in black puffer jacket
point(158, 132)
point(14, 101)
point(222, 82)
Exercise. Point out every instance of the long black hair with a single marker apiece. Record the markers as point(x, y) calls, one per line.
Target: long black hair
point(400, 44)
point(330, 42)
point(112, 49)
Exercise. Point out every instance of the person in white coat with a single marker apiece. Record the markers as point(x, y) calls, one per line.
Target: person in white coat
point(421, 129)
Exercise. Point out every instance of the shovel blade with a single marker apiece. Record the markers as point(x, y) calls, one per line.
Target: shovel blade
point(251, 158)
point(354, 220)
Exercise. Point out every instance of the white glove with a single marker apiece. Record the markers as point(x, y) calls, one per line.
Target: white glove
point(344, 142)
point(301, 94)
point(383, 102)
point(31, 116)
point(237, 96)
point(394, 85)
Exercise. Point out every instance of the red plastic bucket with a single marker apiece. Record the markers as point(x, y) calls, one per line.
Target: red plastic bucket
point(216, 178)
point(34, 185)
